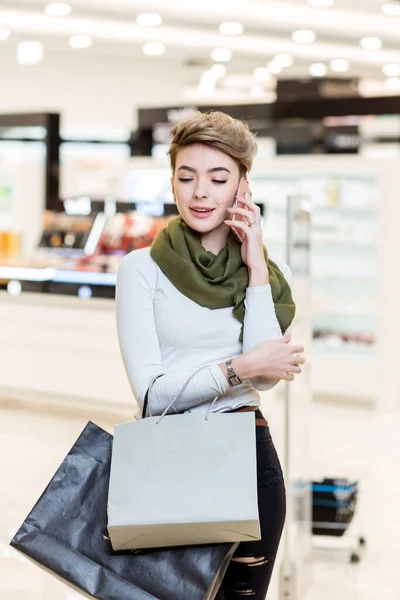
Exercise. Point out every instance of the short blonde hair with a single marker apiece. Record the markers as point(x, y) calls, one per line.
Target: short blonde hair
point(218, 130)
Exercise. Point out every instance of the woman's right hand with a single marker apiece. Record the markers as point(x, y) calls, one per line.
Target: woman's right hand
point(276, 359)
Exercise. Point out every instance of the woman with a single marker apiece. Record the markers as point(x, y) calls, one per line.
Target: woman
point(198, 297)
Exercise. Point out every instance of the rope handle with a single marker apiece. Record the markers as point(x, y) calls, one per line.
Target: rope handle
point(146, 400)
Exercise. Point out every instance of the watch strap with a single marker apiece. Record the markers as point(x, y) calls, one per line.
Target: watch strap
point(233, 377)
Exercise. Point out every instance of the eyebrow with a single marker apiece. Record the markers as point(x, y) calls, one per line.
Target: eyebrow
point(213, 170)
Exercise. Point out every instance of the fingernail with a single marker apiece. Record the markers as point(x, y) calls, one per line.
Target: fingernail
point(247, 196)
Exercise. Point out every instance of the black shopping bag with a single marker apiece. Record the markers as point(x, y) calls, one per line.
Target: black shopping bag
point(66, 533)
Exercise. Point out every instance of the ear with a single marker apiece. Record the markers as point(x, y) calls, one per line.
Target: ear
point(172, 187)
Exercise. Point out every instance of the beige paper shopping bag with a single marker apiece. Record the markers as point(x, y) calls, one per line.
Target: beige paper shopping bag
point(183, 479)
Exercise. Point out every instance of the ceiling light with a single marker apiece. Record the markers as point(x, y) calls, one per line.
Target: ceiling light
point(231, 28)
point(218, 70)
point(304, 36)
point(339, 65)
point(392, 10)
point(80, 41)
point(58, 9)
point(261, 74)
point(29, 53)
point(284, 60)
point(274, 68)
point(393, 83)
point(149, 19)
point(4, 33)
point(154, 48)
point(221, 54)
point(371, 43)
point(320, 3)
point(318, 70)
point(391, 70)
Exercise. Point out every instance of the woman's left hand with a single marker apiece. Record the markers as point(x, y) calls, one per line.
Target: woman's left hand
point(252, 249)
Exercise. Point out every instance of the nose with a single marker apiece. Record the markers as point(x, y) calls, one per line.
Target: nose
point(200, 191)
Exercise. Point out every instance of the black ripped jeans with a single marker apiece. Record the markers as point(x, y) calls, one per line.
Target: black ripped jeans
point(251, 580)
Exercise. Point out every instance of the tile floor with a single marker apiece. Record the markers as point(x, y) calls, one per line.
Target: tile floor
point(352, 442)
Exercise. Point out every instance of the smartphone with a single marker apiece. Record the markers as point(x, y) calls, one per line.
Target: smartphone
point(242, 188)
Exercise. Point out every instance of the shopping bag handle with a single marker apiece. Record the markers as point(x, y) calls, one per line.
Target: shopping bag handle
point(146, 400)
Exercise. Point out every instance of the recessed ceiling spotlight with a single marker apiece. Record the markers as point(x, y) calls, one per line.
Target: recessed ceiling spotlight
point(321, 3)
point(304, 36)
point(371, 43)
point(339, 65)
point(29, 53)
point(154, 48)
point(231, 28)
point(393, 83)
point(391, 70)
point(261, 74)
point(149, 19)
point(221, 54)
point(58, 9)
point(80, 41)
point(274, 68)
point(218, 70)
point(318, 70)
point(391, 9)
point(4, 33)
point(284, 60)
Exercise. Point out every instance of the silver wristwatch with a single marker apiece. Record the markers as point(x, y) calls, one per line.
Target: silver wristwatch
point(233, 377)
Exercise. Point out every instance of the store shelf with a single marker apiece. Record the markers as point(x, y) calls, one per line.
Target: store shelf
point(344, 254)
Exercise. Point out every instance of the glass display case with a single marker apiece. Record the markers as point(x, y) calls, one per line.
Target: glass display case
point(344, 252)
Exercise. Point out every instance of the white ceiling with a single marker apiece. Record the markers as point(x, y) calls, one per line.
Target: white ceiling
point(190, 31)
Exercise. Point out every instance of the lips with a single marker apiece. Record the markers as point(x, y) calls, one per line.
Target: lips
point(202, 213)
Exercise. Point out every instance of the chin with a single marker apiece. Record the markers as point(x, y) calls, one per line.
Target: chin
point(202, 227)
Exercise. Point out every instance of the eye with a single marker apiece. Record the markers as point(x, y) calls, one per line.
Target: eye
point(220, 180)
point(184, 179)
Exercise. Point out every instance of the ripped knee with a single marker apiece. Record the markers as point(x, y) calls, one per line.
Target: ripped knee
point(251, 561)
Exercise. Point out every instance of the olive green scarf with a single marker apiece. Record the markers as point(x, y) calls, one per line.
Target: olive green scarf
point(215, 281)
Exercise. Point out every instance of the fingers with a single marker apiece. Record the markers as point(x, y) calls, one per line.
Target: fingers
point(297, 359)
point(238, 224)
point(253, 212)
point(246, 199)
point(298, 349)
point(241, 211)
point(290, 375)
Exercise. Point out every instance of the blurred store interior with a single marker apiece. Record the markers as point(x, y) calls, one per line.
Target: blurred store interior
point(90, 90)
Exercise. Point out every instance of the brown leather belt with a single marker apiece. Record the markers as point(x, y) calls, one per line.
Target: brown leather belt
point(260, 422)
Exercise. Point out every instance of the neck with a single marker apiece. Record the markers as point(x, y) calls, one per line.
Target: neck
point(215, 240)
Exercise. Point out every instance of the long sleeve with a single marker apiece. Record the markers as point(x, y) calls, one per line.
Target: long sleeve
point(140, 346)
point(261, 323)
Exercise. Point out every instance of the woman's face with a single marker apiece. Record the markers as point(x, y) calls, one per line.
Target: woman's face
point(204, 178)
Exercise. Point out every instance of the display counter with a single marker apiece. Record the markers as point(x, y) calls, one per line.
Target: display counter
point(62, 349)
